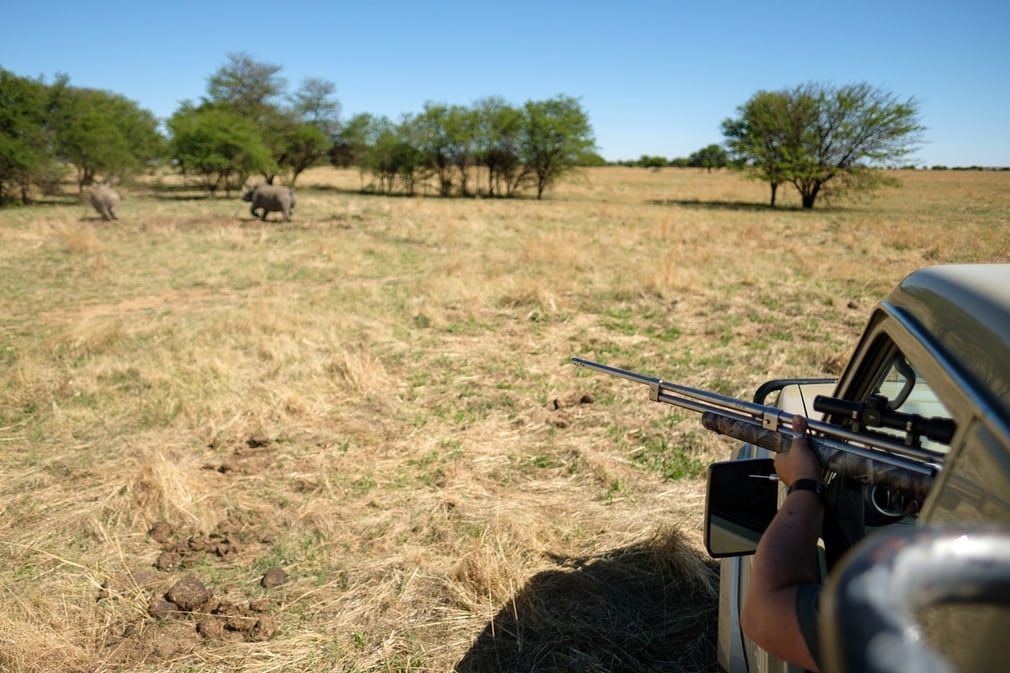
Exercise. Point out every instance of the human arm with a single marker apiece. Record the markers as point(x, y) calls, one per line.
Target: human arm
point(786, 559)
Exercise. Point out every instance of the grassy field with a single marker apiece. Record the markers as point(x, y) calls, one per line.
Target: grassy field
point(375, 402)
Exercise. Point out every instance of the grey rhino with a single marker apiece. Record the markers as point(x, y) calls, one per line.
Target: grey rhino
point(105, 200)
point(270, 198)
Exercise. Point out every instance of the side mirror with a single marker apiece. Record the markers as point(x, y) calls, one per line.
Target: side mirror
point(739, 505)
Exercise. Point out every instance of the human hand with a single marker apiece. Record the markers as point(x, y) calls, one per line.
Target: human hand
point(799, 462)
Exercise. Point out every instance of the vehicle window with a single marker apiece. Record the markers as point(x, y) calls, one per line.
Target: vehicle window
point(908, 392)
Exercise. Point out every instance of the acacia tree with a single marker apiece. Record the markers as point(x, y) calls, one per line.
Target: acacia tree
point(381, 140)
point(461, 130)
point(301, 147)
point(824, 139)
point(314, 103)
point(219, 146)
point(407, 158)
point(307, 128)
point(294, 145)
point(499, 129)
point(857, 127)
point(436, 142)
point(556, 135)
point(251, 88)
point(25, 147)
point(351, 144)
point(395, 156)
point(101, 133)
point(708, 157)
point(298, 134)
point(761, 137)
point(646, 161)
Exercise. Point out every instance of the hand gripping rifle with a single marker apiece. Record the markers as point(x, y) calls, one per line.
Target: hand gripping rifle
point(867, 456)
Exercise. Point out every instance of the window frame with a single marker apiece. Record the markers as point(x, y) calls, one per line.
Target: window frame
point(888, 330)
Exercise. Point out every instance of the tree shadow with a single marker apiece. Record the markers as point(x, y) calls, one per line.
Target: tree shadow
point(721, 205)
point(822, 205)
point(644, 608)
point(273, 222)
point(175, 187)
point(185, 192)
point(55, 200)
point(161, 196)
point(418, 193)
point(336, 189)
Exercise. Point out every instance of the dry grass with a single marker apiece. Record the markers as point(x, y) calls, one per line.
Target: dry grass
point(377, 398)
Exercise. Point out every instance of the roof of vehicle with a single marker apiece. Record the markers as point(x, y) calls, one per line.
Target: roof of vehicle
point(966, 309)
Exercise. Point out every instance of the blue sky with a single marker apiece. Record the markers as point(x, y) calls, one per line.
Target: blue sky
point(655, 77)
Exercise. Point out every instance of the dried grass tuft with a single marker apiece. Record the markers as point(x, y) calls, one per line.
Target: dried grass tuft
point(362, 371)
point(166, 485)
point(78, 239)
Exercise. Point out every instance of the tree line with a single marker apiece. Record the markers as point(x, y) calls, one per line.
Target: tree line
point(45, 128)
point(709, 157)
point(822, 140)
point(250, 124)
point(516, 148)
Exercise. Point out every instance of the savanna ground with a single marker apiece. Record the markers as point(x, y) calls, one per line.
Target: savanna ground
point(357, 439)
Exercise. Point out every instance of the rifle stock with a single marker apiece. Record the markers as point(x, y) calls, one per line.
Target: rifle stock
point(848, 461)
point(870, 458)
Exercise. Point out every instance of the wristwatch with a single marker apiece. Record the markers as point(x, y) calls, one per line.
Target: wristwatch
point(819, 489)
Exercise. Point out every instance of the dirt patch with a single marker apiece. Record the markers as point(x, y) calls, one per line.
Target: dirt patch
point(560, 410)
point(133, 583)
point(251, 457)
point(140, 643)
point(572, 399)
point(233, 536)
point(225, 542)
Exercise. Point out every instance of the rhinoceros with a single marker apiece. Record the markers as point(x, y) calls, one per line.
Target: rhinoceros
point(105, 200)
point(270, 198)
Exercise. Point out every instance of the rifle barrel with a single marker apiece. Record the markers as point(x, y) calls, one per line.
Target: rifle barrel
point(769, 417)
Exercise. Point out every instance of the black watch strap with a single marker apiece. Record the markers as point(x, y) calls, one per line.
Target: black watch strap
point(818, 488)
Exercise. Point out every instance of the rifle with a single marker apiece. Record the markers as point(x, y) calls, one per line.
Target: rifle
point(866, 456)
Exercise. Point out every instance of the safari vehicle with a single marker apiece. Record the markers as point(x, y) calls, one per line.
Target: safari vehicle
point(917, 580)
